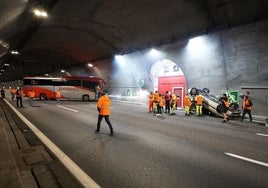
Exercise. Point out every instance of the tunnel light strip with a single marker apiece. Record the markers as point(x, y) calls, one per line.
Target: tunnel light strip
point(247, 159)
point(73, 168)
point(260, 134)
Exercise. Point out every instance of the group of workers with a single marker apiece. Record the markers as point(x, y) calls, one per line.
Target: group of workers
point(168, 103)
point(18, 94)
point(198, 101)
point(157, 102)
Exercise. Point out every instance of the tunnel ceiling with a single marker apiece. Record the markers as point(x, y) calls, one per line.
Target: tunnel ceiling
point(81, 31)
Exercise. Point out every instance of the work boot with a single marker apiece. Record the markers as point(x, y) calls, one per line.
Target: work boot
point(97, 131)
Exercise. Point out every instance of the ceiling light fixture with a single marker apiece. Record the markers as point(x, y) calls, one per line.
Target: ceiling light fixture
point(40, 13)
point(14, 52)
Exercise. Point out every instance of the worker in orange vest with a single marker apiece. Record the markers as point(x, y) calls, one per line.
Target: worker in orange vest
point(199, 103)
point(187, 104)
point(173, 104)
point(247, 107)
point(13, 93)
point(156, 106)
point(31, 95)
point(58, 96)
point(161, 103)
point(103, 107)
point(19, 94)
point(150, 101)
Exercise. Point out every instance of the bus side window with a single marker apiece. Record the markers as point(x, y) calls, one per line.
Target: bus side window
point(74, 82)
point(87, 84)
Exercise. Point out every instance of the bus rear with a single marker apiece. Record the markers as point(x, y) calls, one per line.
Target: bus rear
point(42, 86)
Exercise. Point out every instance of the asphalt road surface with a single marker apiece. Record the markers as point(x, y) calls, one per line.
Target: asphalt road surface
point(149, 151)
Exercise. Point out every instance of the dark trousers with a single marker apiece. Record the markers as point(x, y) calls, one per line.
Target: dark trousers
point(106, 117)
point(246, 111)
point(19, 101)
point(167, 107)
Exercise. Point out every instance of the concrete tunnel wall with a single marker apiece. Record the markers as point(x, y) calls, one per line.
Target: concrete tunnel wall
point(236, 57)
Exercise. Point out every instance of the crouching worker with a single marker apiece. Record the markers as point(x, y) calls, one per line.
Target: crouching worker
point(225, 107)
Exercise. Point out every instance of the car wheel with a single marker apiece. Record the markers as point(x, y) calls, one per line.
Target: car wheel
point(43, 96)
point(85, 98)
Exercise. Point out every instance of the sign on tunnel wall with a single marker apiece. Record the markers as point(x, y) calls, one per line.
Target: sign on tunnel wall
point(232, 96)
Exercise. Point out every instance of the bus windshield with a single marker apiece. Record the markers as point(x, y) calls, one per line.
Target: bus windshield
point(71, 87)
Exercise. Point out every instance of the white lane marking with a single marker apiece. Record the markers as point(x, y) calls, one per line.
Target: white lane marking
point(248, 159)
point(73, 168)
point(67, 108)
point(260, 134)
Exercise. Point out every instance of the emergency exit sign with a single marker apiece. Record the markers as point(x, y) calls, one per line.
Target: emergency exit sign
point(232, 96)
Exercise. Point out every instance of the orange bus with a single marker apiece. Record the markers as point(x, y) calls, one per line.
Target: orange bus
point(71, 87)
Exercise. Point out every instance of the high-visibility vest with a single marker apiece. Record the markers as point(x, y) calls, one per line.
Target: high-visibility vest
point(104, 104)
point(58, 95)
point(31, 94)
point(226, 103)
point(13, 91)
point(156, 97)
point(199, 100)
point(150, 97)
point(246, 104)
point(161, 101)
point(187, 101)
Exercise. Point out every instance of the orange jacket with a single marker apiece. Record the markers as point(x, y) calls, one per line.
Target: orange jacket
point(31, 94)
point(58, 95)
point(13, 91)
point(156, 97)
point(161, 101)
point(246, 105)
point(151, 97)
point(199, 100)
point(226, 103)
point(104, 104)
point(187, 101)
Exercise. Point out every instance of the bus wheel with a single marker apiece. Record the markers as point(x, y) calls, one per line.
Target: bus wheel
point(85, 98)
point(43, 96)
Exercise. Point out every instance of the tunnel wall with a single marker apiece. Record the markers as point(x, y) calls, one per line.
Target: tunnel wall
point(236, 57)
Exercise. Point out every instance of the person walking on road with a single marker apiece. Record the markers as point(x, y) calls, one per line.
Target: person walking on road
point(247, 107)
point(58, 96)
point(103, 107)
point(31, 95)
point(19, 94)
point(13, 93)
